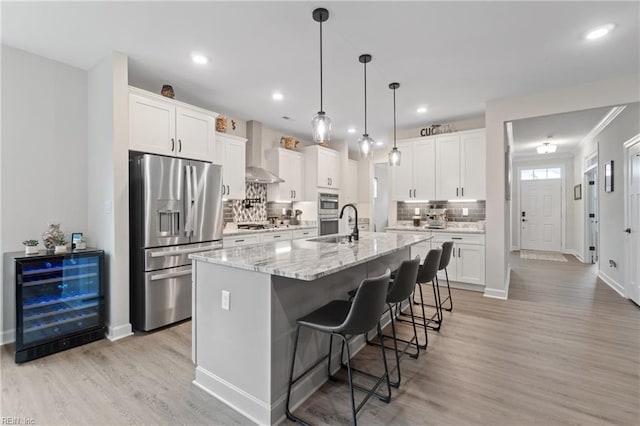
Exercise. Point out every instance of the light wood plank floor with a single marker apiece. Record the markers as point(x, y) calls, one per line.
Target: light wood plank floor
point(564, 349)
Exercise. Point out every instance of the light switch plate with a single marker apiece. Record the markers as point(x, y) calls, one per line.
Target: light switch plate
point(465, 211)
point(226, 296)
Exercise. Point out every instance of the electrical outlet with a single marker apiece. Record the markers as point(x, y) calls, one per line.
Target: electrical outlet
point(226, 299)
point(465, 211)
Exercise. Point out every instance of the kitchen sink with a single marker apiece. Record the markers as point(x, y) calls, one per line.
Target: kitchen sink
point(332, 239)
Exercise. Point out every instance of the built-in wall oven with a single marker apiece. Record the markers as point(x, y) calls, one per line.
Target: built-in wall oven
point(327, 214)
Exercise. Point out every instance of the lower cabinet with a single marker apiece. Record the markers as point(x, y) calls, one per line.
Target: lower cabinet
point(267, 237)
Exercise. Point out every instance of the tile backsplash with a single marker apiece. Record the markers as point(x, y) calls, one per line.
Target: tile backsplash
point(477, 210)
point(235, 211)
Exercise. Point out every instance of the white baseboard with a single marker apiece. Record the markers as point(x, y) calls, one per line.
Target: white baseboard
point(500, 294)
point(612, 283)
point(8, 336)
point(463, 286)
point(119, 332)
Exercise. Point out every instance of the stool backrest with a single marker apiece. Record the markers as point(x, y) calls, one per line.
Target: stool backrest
point(367, 306)
point(405, 281)
point(429, 269)
point(447, 248)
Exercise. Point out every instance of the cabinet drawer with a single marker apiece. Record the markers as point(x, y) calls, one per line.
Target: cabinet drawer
point(305, 233)
point(275, 236)
point(441, 237)
point(240, 240)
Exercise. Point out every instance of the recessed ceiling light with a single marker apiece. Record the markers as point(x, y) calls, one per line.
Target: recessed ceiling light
point(351, 130)
point(599, 32)
point(277, 96)
point(379, 143)
point(199, 58)
point(421, 110)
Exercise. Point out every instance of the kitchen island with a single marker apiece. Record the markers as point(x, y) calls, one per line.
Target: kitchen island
point(245, 304)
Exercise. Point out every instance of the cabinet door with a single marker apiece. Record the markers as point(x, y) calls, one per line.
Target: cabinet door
point(328, 175)
point(233, 169)
point(447, 167)
point(472, 166)
point(151, 125)
point(404, 172)
point(351, 182)
point(295, 164)
point(424, 169)
point(469, 263)
point(195, 132)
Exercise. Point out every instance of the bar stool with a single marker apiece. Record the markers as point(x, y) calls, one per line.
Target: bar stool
point(447, 248)
point(426, 274)
point(341, 318)
point(401, 289)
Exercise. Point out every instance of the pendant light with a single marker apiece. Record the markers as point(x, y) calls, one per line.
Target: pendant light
point(394, 155)
point(321, 123)
point(366, 143)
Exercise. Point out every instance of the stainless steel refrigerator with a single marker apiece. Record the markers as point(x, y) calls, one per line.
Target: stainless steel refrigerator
point(175, 210)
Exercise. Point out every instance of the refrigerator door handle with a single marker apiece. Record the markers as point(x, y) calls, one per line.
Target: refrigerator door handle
point(189, 199)
point(197, 190)
point(169, 275)
point(183, 251)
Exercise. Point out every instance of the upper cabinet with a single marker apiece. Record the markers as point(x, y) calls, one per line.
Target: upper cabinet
point(231, 154)
point(322, 169)
point(460, 166)
point(163, 126)
point(288, 165)
point(350, 182)
point(415, 177)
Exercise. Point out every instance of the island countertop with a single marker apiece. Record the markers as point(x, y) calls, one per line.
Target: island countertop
point(309, 260)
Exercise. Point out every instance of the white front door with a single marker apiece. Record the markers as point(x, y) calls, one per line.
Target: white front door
point(540, 214)
point(633, 289)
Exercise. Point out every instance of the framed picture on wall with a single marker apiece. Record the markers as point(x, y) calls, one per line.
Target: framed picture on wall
point(577, 192)
point(608, 176)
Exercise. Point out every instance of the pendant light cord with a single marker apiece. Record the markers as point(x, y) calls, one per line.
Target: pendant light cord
point(365, 98)
point(321, 66)
point(394, 118)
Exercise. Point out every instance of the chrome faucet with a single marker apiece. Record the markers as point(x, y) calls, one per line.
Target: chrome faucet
point(354, 234)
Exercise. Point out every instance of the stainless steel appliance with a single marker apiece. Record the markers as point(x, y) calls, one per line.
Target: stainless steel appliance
point(328, 213)
point(175, 210)
point(437, 218)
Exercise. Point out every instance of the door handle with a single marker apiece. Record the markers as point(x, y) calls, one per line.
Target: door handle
point(169, 275)
point(628, 230)
point(180, 252)
point(223, 190)
point(409, 193)
point(414, 193)
point(456, 191)
point(173, 144)
point(458, 251)
point(524, 220)
point(462, 191)
point(228, 190)
point(179, 145)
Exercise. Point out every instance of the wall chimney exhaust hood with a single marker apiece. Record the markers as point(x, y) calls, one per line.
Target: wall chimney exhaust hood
point(255, 172)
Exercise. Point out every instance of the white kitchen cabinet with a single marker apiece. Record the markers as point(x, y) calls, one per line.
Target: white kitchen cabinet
point(322, 170)
point(304, 233)
point(350, 182)
point(159, 125)
point(231, 154)
point(467, 264)
point(240, 240)
point(288, 165)
point(460, 166)
point(415, 177)
point(271, 237)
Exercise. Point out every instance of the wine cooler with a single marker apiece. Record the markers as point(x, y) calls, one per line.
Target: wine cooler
point(59, 302)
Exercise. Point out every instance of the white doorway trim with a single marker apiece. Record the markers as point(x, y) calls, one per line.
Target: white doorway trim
point(563, 203)
point(586, 255)
point(631, 143)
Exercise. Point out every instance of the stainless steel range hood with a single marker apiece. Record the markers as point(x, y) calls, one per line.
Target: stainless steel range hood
point(255, 172)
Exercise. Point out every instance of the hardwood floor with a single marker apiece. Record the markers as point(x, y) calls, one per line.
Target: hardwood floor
point(564, 349)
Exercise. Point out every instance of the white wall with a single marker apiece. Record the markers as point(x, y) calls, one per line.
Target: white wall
point(108, 177)
point(44, 153)
point(568, 204)
point(590, 95)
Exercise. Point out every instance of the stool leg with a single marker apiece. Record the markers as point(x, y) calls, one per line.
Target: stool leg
point(330, 350)
point(449, 290)
point(424, 319)
point(290, 415)
point(395, 350)
point(415, 332)
point(436, 297)
point(386, 368)
point(349, 375)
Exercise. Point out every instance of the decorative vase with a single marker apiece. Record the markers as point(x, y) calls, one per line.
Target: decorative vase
point(30, 249)
point(221, 124)
point(60, 249)
point(167, 91)
point(52, 235)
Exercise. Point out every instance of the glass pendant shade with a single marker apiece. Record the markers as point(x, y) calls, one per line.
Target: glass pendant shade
point(366, 146)
point(321, 125)
point(394, 157)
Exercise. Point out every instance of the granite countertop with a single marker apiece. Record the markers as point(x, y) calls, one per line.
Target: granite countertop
point(309, 260)
point(281, 228)
point(456, 229)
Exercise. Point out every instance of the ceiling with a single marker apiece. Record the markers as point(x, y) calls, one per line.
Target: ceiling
point(450, 56)
point(567, 130)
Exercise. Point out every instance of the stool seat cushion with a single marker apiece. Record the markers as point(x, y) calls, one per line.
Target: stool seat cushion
point(328, 317)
